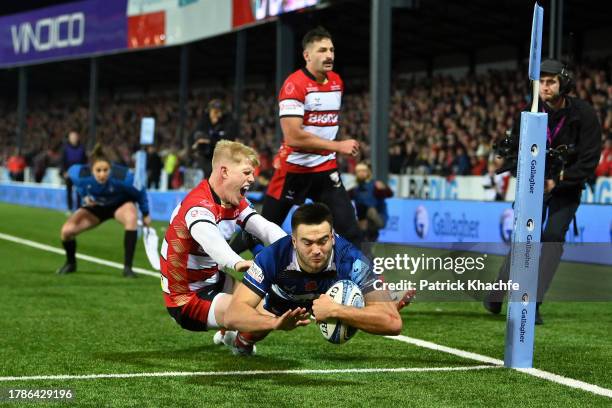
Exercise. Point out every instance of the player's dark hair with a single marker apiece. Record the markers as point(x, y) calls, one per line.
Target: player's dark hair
point(316, 34)
point(311, 214)
point(98, 154)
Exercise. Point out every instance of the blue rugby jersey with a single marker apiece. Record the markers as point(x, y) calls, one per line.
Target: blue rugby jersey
point(118, 189)
point(276, 275)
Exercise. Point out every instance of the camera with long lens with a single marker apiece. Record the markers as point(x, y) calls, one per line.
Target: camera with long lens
point(556, 158)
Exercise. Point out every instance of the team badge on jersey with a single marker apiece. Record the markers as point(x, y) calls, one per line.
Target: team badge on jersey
point(289, 88)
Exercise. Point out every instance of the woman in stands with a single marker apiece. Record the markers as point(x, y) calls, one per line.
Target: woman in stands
point(108, 192)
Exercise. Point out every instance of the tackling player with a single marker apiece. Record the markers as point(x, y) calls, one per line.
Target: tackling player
point(292, 276)
point(309, 104)
point(196, 293)
point(108, 192)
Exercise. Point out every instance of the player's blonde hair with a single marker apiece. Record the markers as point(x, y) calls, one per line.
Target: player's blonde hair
point(234, 152)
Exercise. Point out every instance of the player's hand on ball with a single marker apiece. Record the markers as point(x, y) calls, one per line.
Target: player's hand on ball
point(349, 147)
point(323, 307)
point(243, 266)
point(292, 319)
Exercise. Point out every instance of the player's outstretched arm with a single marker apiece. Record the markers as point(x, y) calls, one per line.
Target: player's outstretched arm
point(242, 314)
point(266, 231)
point(297, 137)
point(210, 239)
point(379, 316)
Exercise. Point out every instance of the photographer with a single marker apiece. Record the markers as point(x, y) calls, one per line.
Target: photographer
point(574, 140)
point(214, 126)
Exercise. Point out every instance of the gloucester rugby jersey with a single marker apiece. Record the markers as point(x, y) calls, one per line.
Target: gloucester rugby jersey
point(185, 267)
point(319, 105)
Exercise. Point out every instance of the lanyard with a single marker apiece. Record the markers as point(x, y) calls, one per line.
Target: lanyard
point(551, 136)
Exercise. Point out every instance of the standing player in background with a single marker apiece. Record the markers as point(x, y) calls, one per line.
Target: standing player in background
point(309, 104)
point(195, 247)
point(73, 153)
point(108, 192)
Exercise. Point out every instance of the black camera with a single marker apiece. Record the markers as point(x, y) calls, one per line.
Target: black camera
point(556, 158)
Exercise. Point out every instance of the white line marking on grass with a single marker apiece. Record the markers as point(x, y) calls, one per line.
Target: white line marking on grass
point(246, 373)
point(449, 350)
point(570, 382)
point(88, 258)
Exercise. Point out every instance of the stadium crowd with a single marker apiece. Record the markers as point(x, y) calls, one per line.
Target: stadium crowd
point(440, 125)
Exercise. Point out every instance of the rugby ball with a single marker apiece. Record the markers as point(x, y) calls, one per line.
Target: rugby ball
point(346, 293)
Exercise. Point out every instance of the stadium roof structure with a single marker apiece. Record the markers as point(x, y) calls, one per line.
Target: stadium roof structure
point(420, 34)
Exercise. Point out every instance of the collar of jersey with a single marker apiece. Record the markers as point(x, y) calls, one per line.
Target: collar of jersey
point(295, 266)
point(309, 75)
point(212, 192)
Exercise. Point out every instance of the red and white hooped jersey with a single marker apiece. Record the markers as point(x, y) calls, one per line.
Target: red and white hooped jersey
point(319, 106)
point(185, 266)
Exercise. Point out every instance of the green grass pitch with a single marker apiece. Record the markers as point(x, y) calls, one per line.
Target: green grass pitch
point(97, 322)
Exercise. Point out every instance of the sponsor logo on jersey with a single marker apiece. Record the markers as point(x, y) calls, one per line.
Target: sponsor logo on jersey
point(256, 273)
point(360, 268)
point(288, 104)
point(323, 118)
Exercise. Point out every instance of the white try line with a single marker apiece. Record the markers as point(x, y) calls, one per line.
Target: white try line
point(88, 258)
point(559, 379)
point(570, 382)
point(246, 373)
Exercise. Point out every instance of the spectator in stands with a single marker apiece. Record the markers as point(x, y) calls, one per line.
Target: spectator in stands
point(604, 169)
point(214, 126)
point(475, 109)
point(171, 165)
point(396, 159)
point(369, 197)
point(461, 162)
point(73, 153)
point(16, 165)
point(154, 167)
point(410, 151)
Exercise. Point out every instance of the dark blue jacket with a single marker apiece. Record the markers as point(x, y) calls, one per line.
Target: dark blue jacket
point(118, 189)
point(73, 155)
